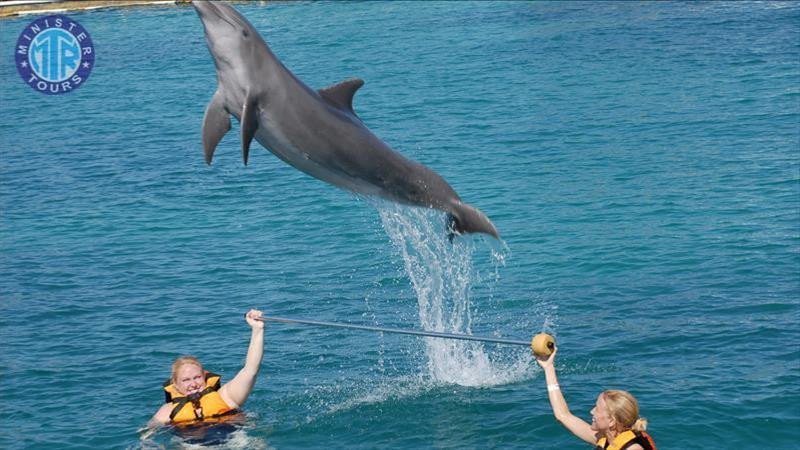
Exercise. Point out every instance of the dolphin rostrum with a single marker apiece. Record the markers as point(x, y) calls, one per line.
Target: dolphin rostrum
point(317, 132)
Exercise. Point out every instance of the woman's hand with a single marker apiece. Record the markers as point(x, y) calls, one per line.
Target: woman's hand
point(547, 363)
point(253, 318)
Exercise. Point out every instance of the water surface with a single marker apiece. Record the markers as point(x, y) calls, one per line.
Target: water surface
point(641, 161)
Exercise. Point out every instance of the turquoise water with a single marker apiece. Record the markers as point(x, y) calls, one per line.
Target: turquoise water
point(640, 160)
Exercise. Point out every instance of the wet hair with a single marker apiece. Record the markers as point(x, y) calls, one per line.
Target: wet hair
point(624, 408)
point(182, 361)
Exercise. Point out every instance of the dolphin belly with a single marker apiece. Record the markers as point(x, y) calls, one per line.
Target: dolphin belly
point(346, 154)
point(306, 160)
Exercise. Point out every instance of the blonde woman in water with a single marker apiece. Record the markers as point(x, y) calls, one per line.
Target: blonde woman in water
point(616, 424)
point(194, 395)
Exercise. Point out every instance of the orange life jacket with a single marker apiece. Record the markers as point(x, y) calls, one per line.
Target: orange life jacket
point(205, 406)
point(625, 440)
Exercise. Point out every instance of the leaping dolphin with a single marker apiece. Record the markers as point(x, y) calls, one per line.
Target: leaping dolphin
point(316, 132)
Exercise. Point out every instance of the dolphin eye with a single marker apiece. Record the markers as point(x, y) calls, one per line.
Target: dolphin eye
point(245, 33)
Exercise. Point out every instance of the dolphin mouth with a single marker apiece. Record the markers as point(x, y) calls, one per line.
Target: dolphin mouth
point(211, 11)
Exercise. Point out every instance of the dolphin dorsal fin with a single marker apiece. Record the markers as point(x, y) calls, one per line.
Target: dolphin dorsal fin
point(341, 95)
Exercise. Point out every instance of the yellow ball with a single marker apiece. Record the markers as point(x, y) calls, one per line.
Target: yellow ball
point(543, 345)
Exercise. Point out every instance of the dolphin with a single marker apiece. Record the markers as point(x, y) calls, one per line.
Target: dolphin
point(316, 132)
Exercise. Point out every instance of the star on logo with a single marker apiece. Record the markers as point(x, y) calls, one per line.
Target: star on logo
point(24, 64)
point(86, 65)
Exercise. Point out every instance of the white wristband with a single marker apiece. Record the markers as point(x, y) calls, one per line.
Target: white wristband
point(552, 387)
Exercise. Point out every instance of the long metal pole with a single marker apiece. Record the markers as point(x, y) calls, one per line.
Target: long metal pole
point(463, 337)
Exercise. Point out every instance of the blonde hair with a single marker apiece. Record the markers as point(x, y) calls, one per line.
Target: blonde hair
point(182, 361)
point(624, 408)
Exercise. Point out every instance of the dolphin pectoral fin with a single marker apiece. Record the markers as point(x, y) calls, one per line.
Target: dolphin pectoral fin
point(216, 123)
point(249, 125)
point(341, 95)
point(464, 218)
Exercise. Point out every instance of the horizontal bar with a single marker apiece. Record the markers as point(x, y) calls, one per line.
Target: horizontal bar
point(435, 334)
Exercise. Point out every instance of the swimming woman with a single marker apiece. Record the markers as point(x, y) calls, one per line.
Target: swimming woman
point(194, 395)
point(616, 424)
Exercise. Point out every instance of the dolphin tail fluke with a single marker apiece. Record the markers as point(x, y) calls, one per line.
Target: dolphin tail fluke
point(463, 218)
point(216, 123)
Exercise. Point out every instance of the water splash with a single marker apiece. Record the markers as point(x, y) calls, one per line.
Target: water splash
point(237, 437)
point(441, 273)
